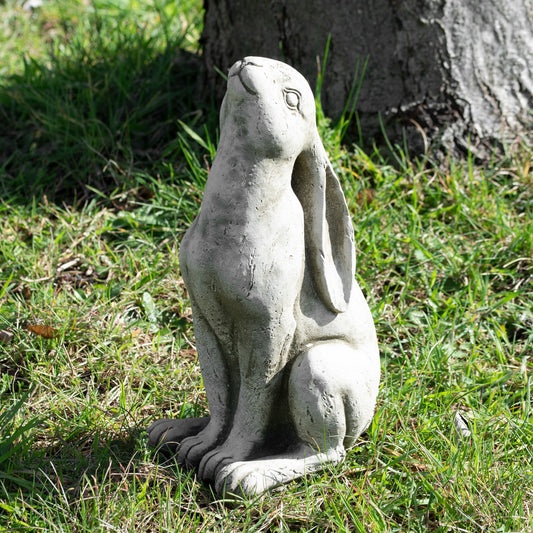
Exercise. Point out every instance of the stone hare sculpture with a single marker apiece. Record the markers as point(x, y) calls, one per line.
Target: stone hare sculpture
point(285, 339)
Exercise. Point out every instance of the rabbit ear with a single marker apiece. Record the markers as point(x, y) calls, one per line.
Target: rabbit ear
point(329, 238)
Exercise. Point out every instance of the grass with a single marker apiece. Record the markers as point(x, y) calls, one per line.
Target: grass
point(98, 182)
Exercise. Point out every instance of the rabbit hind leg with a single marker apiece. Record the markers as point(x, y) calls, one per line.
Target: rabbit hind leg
point(332, 393)
point(331, 398)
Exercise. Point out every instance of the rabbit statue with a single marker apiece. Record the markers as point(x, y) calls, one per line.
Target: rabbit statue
point(285, 339)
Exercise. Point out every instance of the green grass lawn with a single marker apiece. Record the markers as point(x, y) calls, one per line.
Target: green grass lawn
point(104, 151)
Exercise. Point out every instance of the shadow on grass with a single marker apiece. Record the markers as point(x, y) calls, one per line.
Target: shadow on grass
point(87, 469)
point(96, 117)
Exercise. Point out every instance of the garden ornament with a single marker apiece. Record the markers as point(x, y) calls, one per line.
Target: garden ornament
point(285, 339)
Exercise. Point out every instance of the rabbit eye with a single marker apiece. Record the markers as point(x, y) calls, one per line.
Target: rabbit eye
point(292, 99)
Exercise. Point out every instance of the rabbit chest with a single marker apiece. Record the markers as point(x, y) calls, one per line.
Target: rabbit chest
point(247, 253)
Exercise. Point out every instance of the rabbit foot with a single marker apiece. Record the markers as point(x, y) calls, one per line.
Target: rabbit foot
point(252, 478)
point(166, 434)
point(242, 479)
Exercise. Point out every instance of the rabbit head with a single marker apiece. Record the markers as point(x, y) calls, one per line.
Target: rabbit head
point(270, 109)
point(269, 106)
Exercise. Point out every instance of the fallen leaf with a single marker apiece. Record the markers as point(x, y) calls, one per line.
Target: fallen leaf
point(44, 331)
point(365, 197)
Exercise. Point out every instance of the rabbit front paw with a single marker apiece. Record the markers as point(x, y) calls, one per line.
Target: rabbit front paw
point(230, 452)
point(193, 449)
point(166, 434)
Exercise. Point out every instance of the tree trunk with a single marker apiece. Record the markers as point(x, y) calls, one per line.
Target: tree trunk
point(455, 71)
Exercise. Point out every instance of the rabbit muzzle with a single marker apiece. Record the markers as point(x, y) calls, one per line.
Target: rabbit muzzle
point(241, 70)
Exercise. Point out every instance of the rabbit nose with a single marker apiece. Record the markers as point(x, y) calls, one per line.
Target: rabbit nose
point(238, 66)
point(253, 61)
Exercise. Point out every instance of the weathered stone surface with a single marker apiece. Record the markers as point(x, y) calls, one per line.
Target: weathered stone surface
point(285, 338)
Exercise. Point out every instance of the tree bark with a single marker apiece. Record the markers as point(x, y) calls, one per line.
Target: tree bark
point(457, 73)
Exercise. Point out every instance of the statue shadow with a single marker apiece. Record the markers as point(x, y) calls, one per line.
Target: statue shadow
point(97, 119)
point(81, 467)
